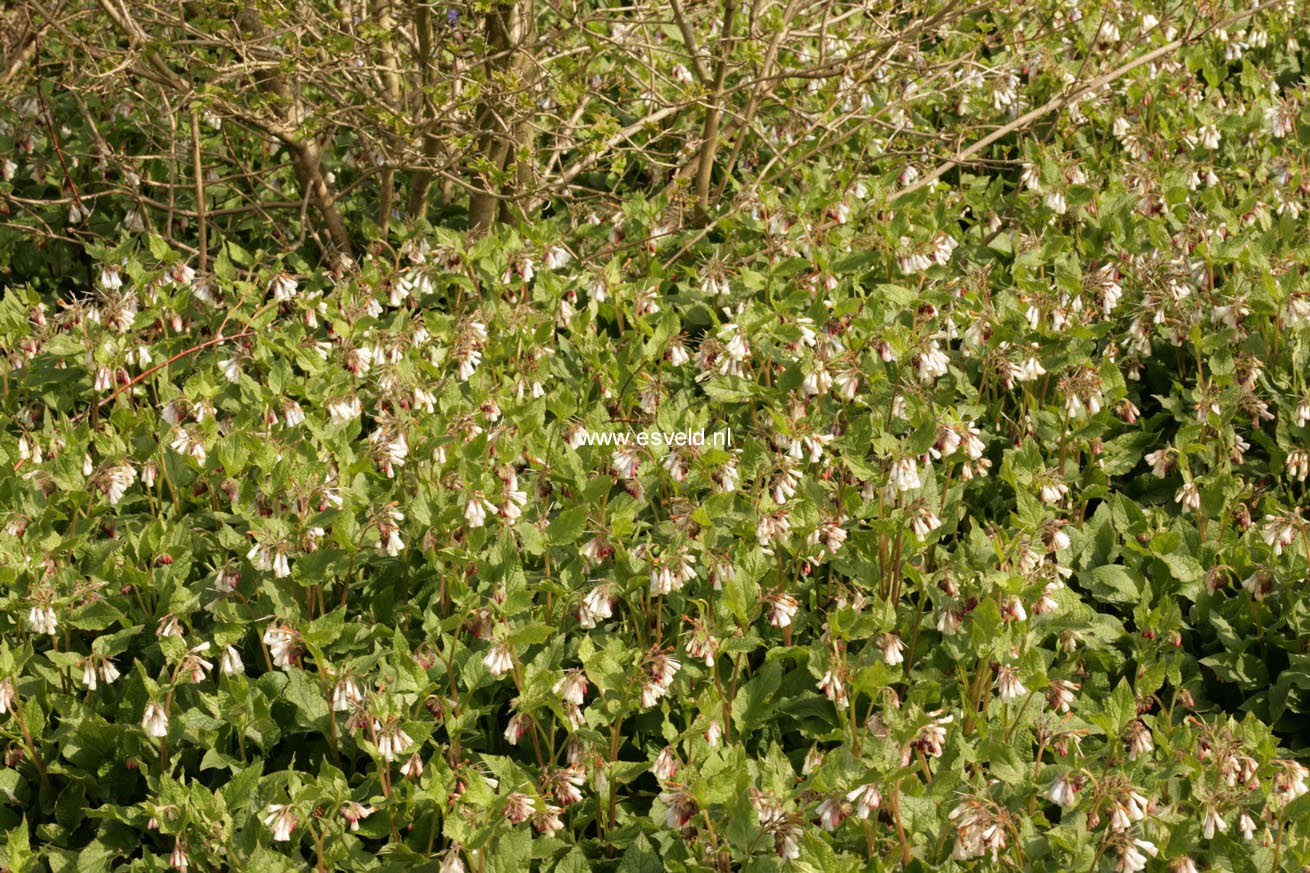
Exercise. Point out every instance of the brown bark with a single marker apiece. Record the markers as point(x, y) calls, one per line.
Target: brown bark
point(391, 80)
point(307, 161)
point(421, 183)
point(505, 138)
point(710, 135)
point(306, 154)
point(199, 172)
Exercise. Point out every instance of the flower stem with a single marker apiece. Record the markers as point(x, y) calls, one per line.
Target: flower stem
point(31, 747)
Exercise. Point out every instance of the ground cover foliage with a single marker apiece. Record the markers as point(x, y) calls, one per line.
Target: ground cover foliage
point(311, 557)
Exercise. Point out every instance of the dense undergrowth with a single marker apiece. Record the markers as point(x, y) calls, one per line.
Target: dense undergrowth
point(309, 561)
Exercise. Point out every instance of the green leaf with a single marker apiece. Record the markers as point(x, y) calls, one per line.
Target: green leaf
point(159, 250)
point(307, 696)
point(640, 857)
point(755, 700)
point(567, 527)
point(604, 667)
point(510, 851)
point(1121, 706)
point(729, 389)
point(533, 634)
point(19, 857)
point(574, 862)
point(1183, 567)
point(1113, 583)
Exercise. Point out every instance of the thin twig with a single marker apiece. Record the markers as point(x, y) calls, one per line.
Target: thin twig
point(1069, 96)
point(182, 354)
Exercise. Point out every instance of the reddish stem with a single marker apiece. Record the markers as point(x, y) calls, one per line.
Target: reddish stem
point(182, 354)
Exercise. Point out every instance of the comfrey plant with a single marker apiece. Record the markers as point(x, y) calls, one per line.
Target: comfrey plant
point(316, 566)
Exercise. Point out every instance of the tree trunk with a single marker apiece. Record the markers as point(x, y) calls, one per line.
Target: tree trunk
point(307, 161)
point(306, 156)
point(421, 182)
point(713, 112)
point(386, 22)
point(506, 134)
